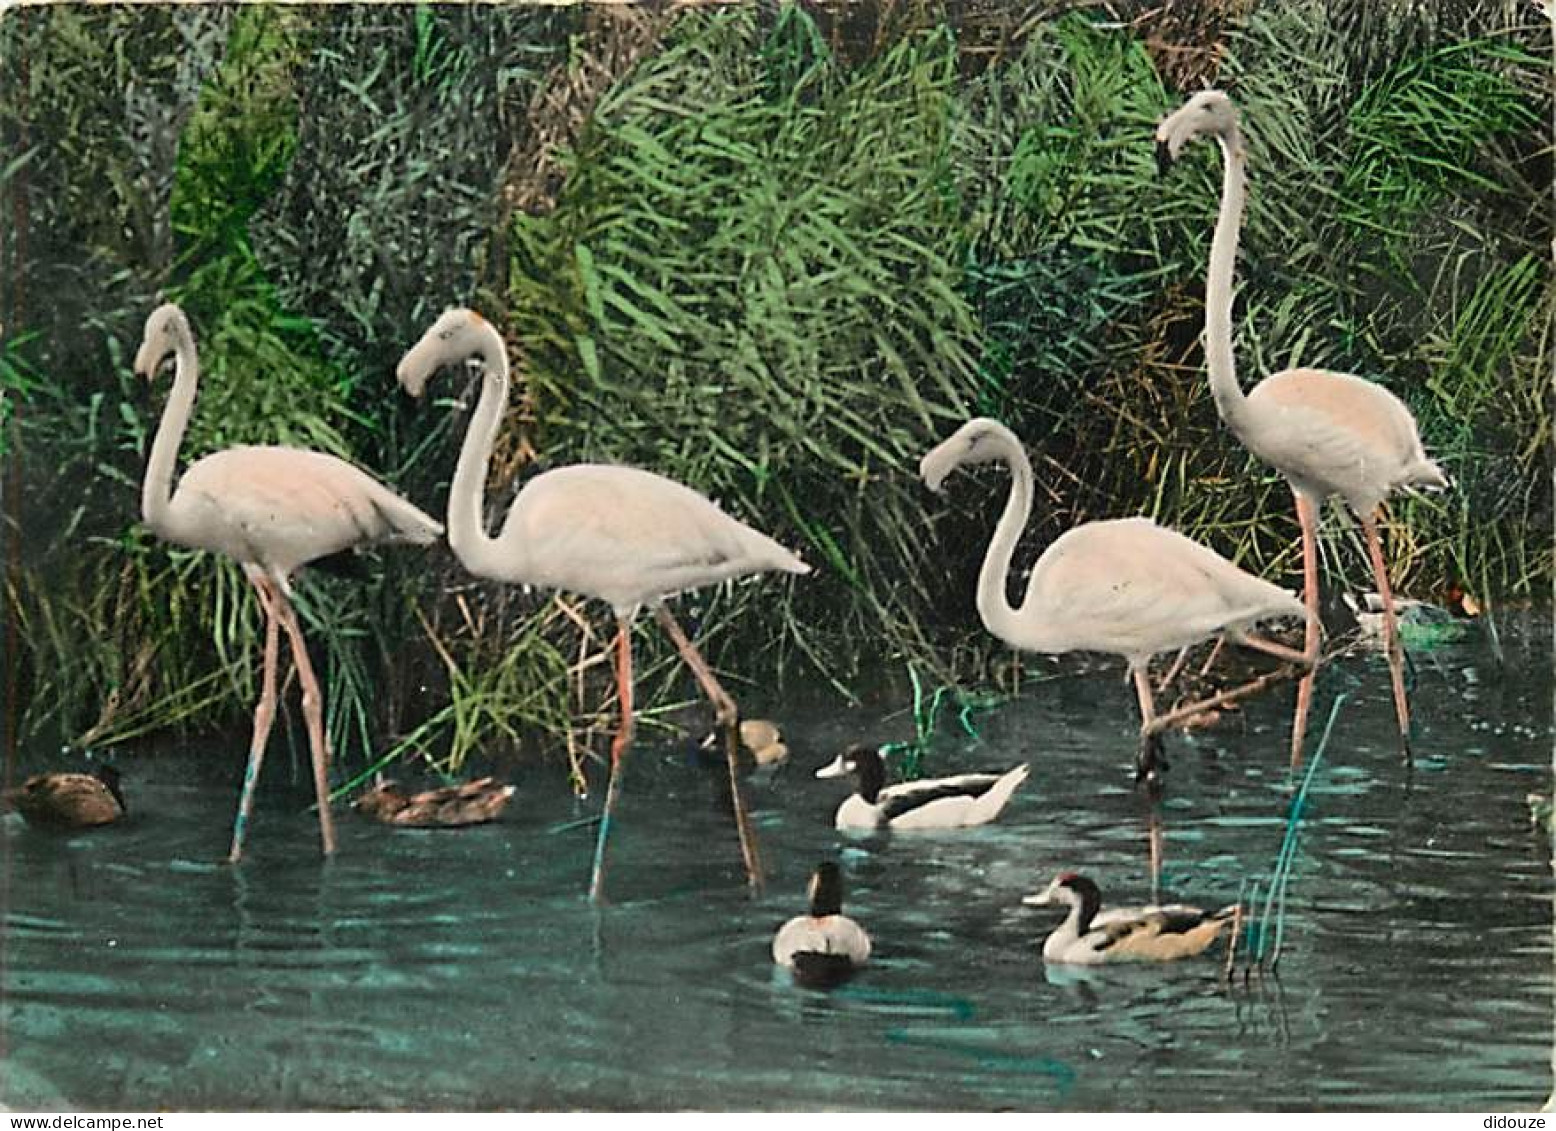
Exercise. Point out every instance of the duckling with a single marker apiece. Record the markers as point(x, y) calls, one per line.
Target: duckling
point(1124, 934)
point(473, 803)
point(70, 800)
point(934, 803)
point(760, 738)
point(825, 947)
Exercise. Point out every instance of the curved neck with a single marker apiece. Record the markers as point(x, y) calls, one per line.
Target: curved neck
point(467, 534)
point(1230, 401)
point(157, 487)
point(999, 616)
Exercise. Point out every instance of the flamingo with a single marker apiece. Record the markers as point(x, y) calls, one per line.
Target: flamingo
point(621, 535)
point(271, 510)
point(1327, 433)
point(1125, 586)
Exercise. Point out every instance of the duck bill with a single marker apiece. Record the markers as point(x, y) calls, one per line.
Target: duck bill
point(836, 768)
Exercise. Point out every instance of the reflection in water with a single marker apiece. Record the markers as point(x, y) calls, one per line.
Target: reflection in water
point(466, 969)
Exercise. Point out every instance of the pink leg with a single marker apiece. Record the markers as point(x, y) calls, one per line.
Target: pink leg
point(1309, 519)
point(264, 715)
point(728, 716)
point(1149, 762)
point(1148, 769)
point(619, 746)
point(313, 715)
point(1252, 687)
point(1390, 632)
point(1215, 654)
point(1271, 648)
point(1173, 671)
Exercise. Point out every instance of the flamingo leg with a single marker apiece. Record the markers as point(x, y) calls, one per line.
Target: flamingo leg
point(1210, 660)
point(1149, 763)
point(619, 746)
point(313, 715)
point(1271, 648)
point(1222, 699)
point(264, 715)
point(1308, 518)
point(1157, 837)
point(1174, 671)
point(728, 716)
point(1390, 633)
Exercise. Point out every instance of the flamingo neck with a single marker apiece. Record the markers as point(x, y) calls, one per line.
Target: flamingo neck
point(467, 534)
point(999, 616)
point(157, 488)
point(1219, 359)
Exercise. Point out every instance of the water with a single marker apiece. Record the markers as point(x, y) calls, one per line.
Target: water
point(464, 969)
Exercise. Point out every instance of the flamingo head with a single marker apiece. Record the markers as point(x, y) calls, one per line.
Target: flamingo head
point(458, 335)
point(166, 329)
point(980, 440)
point(1209, 113)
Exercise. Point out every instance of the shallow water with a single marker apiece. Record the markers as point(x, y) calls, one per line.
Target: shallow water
point(466, 970)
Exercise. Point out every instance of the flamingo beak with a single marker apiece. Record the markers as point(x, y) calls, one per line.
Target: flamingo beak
point(1164, 156)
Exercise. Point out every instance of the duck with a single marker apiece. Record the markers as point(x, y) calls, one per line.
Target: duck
point(760, 739)
point(472, 803)
point(62, 800)
point(824, 947)
point(1089, 935)
point(1419, 621)
point(930, 803)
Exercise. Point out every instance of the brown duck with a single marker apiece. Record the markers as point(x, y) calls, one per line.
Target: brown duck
point(473, 803)
point(760, 739)
point(70, 800)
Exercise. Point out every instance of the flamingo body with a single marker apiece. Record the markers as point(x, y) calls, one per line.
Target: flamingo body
point(1335, 434)
point(1132, 588)
point(627, 537)
point(277, 508)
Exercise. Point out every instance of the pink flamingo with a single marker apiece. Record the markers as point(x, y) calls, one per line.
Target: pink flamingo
point(1327, 433)
point(619, 534)
point(271, 510)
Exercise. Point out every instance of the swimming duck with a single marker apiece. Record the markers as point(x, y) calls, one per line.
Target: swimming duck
point(932, 803)
point(1420, 622)
point(1090, 935)
point(760, 738)
point(473, 803)
point(70, 800)
point(824, 947)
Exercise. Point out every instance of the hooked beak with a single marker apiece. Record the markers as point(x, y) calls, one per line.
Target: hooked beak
point(147, 362)
point(411, 375)
point(1164, 157)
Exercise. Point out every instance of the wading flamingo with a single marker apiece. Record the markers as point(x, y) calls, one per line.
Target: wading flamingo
point(1125, 586)
point(1327, 433)
point(271, 510)
point(619, 534)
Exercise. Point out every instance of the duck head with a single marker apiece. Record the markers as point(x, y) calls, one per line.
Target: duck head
point(865, 763)
point(826, 891)
point(1073, 890)
point(383, 800)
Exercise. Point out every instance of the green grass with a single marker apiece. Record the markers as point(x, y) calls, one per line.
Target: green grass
point(742, 249)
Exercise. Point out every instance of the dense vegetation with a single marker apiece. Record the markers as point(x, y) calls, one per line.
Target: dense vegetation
point(773, 251)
